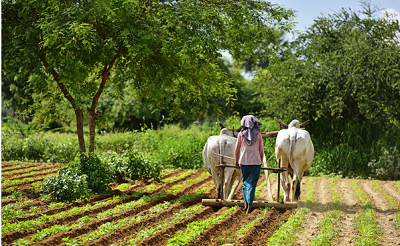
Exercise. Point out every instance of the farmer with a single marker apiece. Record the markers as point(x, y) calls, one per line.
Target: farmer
point(249, 153)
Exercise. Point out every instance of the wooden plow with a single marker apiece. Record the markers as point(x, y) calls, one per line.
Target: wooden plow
point(256, 204)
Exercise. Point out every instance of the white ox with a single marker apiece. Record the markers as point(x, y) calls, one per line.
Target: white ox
point(223, 144)
point(295, 150)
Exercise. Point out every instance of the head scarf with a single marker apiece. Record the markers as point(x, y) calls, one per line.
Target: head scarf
point(250, 128)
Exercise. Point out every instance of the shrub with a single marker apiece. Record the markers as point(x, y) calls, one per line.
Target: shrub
point(98, 173)
point(388, 165)
point(141, 167)
point(67, 185)
point(118, 165)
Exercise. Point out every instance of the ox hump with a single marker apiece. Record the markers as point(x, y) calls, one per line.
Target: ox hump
point(225, 131)
point(294, 123)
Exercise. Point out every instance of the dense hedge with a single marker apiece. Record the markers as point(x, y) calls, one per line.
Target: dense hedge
point(348, 151)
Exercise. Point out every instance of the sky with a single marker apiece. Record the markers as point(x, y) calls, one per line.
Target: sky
point(308, 10)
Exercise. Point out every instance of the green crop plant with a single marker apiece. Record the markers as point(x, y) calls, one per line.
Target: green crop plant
point(56, 205)
point(328, 223)
point(196, 228)
point(310, 191)
point(178, 187)
point(8, 213)
point(31, 224)
point(16, 181)
point(365, 223)
point(182, 175)
point(359, 193)
point(126, 206)
point(285, 234)
point(392, 202)
point(367, 227)
point(113, 226)
point(327, 226)
point(183, 214)
point(123, 186)
point(245, 227)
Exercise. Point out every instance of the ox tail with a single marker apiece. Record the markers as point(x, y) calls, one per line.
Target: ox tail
point(292, 142)
point(298, 191)
point(221, 148)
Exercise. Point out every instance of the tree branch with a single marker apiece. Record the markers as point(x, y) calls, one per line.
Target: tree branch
point(145, 8)
point(106, 74)
point(56, 77)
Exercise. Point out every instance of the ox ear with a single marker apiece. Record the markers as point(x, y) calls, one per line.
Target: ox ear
point(283, 125)
point(304, 123)
point(222, 126)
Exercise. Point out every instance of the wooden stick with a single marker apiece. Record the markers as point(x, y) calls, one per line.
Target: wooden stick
point(256, 204)
point(224, 156)
point(275, 170)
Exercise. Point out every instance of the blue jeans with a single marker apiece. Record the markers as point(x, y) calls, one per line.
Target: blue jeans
point(250, 176)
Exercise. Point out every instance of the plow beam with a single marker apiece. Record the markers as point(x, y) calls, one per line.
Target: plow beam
point(256, 204)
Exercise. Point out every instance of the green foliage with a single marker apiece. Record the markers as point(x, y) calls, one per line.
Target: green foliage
point(118, 165)
point(98, 173)
point(67, 185)
point(337, 71)
point(8, 212)
point(388, 165)
point(335, 75)
point(142, 167)
point(26, 143)
point(63, 54)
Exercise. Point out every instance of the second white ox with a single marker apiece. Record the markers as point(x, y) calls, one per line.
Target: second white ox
point(295, 150)
point(223, 144)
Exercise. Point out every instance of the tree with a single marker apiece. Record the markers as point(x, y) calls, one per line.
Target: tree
point(163, 50)
point(344, 69)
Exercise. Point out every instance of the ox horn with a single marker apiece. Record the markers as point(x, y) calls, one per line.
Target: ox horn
point(304, 123)
point(284, 125)
point(222, 126)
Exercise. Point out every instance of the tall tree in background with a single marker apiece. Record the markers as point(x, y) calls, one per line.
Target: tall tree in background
point(163, 50)
point(345, 69)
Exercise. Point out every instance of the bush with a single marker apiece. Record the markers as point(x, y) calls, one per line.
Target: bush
point(98, 173)
point(67, 185)
point(118, 165)
point(388, 165)
point(141, 167)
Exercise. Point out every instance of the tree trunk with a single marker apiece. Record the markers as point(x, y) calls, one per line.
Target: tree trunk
point(92, 127)
point(79, 128)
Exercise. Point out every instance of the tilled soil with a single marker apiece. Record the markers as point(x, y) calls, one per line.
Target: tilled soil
point(224, 232)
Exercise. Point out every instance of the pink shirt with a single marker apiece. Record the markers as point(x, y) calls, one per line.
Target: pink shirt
point(249, 155)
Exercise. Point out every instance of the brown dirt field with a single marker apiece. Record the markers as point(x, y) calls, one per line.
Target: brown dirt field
point(224, 232)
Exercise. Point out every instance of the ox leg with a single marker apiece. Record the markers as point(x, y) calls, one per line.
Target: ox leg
point(268, 181)
point(295, 185)
point(227, 182)
point(285, 180)
point(235, 185)
point(285, 186)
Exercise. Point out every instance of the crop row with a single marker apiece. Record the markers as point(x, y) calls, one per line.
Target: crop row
point(124, 206)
